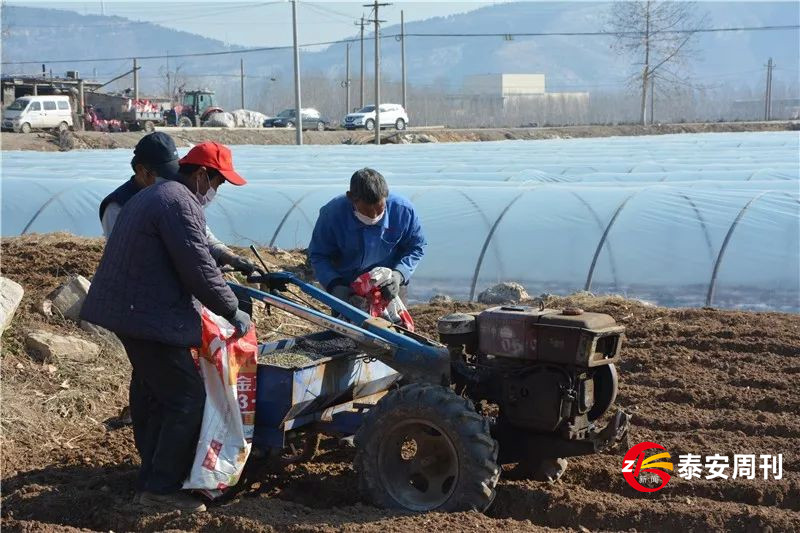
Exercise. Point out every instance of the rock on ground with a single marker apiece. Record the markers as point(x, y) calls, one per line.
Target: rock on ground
point(66, 141)
point(68, 299)
point(440, 299)
point(10, 296)
point(504, 293)
point(108, 338)
point(48, 346)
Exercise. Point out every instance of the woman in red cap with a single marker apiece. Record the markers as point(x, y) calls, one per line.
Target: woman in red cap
point(155, 265)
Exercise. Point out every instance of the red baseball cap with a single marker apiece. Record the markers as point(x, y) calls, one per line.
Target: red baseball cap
point(216, 156)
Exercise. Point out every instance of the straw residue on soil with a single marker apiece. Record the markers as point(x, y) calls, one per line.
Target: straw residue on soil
point(697, 381)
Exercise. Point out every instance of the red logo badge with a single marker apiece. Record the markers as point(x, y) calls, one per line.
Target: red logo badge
point(635, 465)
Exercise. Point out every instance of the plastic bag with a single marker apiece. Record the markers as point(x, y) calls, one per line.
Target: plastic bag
point(228, 367)
point(367, 285)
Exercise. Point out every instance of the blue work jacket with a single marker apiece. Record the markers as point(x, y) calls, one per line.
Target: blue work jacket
point(342, 247)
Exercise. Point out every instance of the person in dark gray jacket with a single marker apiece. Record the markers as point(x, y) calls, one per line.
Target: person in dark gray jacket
point(155, 267)
point(154, 157)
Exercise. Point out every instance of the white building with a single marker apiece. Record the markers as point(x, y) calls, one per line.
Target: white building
point(504, 85)
point(519, 99)
point(517, 89)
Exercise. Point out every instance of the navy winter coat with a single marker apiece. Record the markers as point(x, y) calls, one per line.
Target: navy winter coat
point(155, 261)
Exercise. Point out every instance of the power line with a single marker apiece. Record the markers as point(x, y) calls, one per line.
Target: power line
point(393, 36)
point(327, 11)
point(176, 18)
point(237, 23)
point(604, 33)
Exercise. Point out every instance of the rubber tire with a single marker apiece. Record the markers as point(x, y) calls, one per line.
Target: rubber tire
point(25, 128)
point(62, 127)
point(290, 124)
point(148, 126)
point(369, 125)
point(185, 122)
point(400, 124)
point(469, 432)
point(320, 126)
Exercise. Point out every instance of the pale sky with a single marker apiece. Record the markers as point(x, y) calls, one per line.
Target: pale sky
point(261, 23)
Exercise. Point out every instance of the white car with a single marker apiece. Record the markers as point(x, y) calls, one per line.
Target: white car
point(38, 112)
point(392, 115)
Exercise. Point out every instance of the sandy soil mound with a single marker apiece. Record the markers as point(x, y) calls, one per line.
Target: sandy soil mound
point(700, 381)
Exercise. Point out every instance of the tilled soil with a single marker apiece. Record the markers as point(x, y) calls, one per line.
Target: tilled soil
point(698, 381)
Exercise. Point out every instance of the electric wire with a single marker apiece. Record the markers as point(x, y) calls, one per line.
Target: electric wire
point(392, 36)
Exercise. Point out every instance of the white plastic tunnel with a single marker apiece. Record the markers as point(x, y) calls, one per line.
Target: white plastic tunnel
point(684, 220)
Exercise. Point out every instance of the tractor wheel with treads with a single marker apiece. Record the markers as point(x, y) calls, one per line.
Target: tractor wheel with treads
point(424, 448)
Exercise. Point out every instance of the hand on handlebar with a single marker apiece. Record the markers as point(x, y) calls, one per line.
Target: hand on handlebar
point(238, 263)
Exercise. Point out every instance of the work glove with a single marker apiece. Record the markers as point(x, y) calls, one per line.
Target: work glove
point(237, 262)
point(359, 302)
point(342, 292)
point(390, 288)
point(346, 294)
point(241, 321)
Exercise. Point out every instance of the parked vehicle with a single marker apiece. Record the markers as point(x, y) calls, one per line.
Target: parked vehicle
point(194, 108)
point(134, 114)
point(312, 120)
point(391, 115)
point(93, 120)
point(38, 112)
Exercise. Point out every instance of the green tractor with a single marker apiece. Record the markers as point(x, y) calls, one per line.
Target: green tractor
point(194, 108)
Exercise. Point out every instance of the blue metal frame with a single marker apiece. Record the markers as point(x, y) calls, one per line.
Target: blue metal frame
point(417, 358)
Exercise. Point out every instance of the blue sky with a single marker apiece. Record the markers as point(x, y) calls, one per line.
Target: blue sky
point(261, 23)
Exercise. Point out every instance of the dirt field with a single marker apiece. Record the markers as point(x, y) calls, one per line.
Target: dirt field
point(699, 381)
point(48, 142)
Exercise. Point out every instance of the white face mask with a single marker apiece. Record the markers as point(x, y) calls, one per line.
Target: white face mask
point(364, 219)
point(206, 198)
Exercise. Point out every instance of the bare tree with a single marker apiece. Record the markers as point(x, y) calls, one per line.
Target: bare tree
point(658, 35)
point(173, 82)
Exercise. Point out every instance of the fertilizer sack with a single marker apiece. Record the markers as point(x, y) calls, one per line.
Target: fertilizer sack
point(228, 367)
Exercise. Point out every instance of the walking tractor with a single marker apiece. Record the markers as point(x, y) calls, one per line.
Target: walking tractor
point(545, 378)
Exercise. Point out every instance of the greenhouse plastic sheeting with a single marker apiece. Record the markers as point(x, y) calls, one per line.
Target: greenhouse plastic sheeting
point(679, 220)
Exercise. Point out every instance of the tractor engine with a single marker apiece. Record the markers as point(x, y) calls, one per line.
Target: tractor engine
point(550, 373)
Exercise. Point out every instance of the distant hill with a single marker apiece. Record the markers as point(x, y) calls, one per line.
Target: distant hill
point(578, 63)
point(570, 63)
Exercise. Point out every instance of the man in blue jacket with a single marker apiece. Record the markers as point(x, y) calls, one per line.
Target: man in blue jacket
point(155, 267)
point(366, 228)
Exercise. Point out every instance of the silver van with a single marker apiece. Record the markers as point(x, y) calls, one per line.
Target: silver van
point(38, 112)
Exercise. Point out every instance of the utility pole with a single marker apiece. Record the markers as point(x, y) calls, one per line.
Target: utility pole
point(169, 87)
point(652, 100)
point(241, 78)
point(347, 82)
point(768, 92)
point(375, 7)
point(298, 116)
point(403, 55)
point(135, 79)
point(361, 104)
